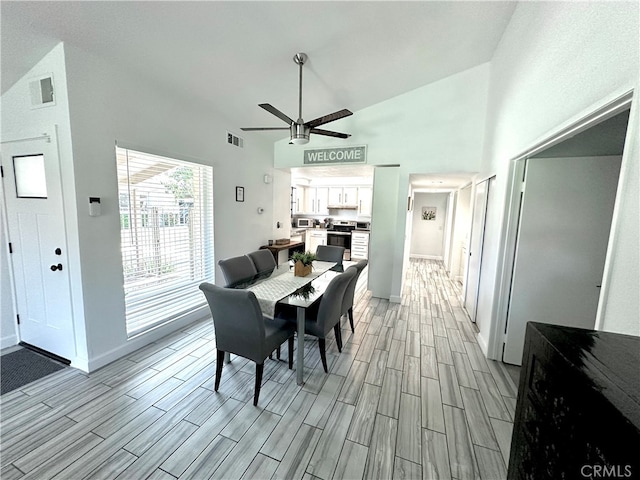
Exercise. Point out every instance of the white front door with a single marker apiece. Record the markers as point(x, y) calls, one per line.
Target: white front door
point(33, 196)
point(565, 221)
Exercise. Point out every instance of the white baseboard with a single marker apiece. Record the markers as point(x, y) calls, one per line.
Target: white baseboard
point(483, 345)
point(427, 257)
point(8, 341)
point(395, 299)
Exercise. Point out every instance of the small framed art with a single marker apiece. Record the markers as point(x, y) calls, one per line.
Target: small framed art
point(428, 213)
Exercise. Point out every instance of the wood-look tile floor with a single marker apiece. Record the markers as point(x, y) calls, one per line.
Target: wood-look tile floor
point(410, 396)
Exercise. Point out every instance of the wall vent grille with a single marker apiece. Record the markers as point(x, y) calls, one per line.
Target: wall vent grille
point(235, 140)
point(42, 91)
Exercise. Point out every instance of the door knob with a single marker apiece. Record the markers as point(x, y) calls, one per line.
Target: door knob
point(58, 251)
point(56, 267)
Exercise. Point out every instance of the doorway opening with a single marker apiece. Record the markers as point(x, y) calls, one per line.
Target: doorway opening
point(562, 201)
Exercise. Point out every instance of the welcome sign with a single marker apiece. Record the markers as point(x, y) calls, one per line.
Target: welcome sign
point(335, 155)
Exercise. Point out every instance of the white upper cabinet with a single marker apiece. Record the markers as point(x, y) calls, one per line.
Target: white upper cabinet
point(365, 195)
point(335, 195)
point(318, 200)
point(349, 195)
point(298, 199)
point(343, 196)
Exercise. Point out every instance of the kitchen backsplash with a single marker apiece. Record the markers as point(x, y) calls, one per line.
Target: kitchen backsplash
point(335, 214)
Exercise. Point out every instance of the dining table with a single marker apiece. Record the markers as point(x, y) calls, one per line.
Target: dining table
point(280, 288)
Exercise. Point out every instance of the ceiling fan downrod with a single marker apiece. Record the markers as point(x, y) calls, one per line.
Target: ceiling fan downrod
point(299, 131)
point(300, 59)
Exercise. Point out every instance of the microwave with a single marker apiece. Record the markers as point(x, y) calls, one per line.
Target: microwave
point(363, 225)
point(306, 223)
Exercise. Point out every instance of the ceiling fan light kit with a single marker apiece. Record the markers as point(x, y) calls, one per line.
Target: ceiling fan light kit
point(299, 134)
point(299, 130)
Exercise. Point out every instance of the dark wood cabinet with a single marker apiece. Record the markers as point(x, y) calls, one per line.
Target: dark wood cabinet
point(578, 409)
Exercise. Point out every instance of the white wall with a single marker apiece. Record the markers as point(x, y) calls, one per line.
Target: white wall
point(556, 63)
point(108, 105)
point(384, 231)
point(427, 236)
point(434, 129)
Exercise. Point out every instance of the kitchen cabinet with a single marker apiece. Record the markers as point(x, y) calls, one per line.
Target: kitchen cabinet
point(359, 245)
point(365, 195)
point(315, 237)
point(298, 195)
point(318, 200)
point(343, 196)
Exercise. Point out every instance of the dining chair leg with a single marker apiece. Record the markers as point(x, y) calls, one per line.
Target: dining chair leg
point(323, 354)
point(290, 345)
point(338, 334)
point(350, 315)
point(259, 370)
point(219, 363)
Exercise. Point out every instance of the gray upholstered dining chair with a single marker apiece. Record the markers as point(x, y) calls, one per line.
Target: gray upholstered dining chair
point(241, 329)
point(319, 322)
point(263, 261)
point(330, 253)
point(347, 302)
point(237, 269)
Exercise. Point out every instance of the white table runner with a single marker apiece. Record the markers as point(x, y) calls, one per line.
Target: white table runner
point(282, 284)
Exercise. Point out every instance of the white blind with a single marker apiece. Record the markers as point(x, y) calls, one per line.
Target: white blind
point(166, 231)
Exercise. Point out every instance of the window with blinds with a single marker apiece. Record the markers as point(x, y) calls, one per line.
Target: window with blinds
point(166, 230)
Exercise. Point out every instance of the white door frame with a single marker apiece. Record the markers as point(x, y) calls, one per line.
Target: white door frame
point(512, 214)
point(14, 337)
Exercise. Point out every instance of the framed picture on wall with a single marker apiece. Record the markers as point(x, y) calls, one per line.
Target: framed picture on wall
point(428, 213)
point(239, 194)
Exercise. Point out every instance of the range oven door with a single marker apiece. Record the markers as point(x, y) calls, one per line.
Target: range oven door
point(341, 240)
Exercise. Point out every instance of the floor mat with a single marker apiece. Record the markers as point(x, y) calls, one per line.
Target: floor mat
point(24, 366)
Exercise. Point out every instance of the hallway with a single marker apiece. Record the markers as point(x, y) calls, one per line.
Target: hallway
point(410, 396)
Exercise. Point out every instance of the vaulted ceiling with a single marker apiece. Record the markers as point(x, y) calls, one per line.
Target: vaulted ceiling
point(234, 55)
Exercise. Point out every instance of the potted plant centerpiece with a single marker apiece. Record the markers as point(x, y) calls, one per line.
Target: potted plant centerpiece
point(302, 263)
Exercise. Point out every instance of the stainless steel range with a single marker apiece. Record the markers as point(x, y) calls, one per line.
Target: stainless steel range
point(340, 235)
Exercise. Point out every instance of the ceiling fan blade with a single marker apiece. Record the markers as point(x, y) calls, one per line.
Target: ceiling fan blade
point(274, 111)
point(329, 133)
point(252, 129)
point(328, 118)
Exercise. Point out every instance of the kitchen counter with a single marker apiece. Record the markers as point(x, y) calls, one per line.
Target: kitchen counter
point(275, 249)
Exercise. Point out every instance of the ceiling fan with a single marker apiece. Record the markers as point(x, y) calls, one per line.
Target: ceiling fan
point(299, 129)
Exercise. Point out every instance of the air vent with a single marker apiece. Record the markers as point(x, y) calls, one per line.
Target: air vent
point(234, 140)
point(41, 90)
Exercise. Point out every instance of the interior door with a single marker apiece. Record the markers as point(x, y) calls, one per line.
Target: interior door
point(562, 239)
point(33, 196)
point(484, 297)
point(475, 249)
